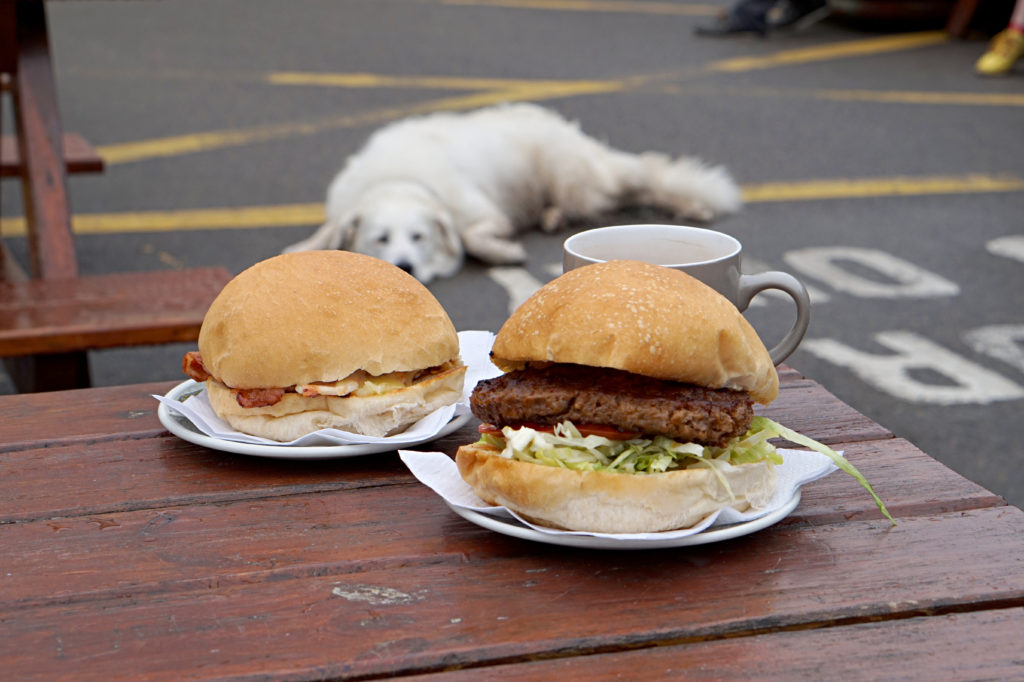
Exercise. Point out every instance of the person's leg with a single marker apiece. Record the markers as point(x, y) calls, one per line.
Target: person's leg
point(789, 13)
point(746, 16)
point(1006, 48)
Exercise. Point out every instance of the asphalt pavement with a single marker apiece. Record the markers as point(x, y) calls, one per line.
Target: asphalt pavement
point(876, 167)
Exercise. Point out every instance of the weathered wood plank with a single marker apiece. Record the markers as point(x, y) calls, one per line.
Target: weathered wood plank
point(79, 156)
point(103, 311)
point(963, 646)
point(253, 619)
point(41, 420)
point(40, 138)
point(815, 412)
point(910, 482)
point(203, 504)
point(157, 472)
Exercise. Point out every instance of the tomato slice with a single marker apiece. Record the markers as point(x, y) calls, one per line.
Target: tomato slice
point(602, 430)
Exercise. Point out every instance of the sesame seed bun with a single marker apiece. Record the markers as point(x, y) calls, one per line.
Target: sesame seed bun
point(641, 318)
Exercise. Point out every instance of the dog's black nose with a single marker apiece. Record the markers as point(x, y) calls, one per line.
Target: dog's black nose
point(405, 265)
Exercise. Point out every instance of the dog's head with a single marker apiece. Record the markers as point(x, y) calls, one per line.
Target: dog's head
point(404, 224)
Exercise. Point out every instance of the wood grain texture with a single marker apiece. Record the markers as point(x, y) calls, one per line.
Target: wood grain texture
point(79, 156)
point(212, 506)
point(458, 609)
point(102, 311)
point(40, 139)
point(963, 646)
point(155, 473)
point(130, 554)
point(41, 420)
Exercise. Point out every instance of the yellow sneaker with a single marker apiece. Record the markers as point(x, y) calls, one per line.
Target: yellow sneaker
point(1005, 49)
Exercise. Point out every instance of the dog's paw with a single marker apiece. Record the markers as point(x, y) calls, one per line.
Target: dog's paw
point(695, 210)
point(497, 251)
point(511, 253)
point(552, 219)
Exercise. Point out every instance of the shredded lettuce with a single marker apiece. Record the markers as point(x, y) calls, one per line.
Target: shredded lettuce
point(778, 430)
point(569, 449)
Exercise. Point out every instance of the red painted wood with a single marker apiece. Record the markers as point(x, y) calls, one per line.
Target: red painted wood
point(40, 136)
point(413, 613)
point(79, 156)
point(129, 554)
point(102, 311)
point(963, 646)
point(85, 415)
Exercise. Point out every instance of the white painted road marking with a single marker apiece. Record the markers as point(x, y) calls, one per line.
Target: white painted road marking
point(969, 383)
point(1004, 342)
point(906, 279)
point(1010, 246)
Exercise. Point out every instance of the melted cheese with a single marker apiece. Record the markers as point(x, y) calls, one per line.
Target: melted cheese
point(364, 384)
point(386, 383)
point(339, 388)
point(358, 383)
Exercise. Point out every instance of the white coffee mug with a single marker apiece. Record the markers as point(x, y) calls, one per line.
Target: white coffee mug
point(710, 256)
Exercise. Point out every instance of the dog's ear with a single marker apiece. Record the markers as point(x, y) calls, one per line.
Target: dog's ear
point(451, 242)
point(346, 232)
point(450, 254)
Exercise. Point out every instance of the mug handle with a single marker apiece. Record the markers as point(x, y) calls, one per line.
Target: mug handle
point(752, 285)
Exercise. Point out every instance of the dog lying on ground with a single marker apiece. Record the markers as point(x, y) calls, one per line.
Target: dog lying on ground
point(424, 192)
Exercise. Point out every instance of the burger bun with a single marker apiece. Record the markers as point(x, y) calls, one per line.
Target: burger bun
point(640, 318)
point(375, 415)
point(353, 343)
point(607, 502)
point(312, 316)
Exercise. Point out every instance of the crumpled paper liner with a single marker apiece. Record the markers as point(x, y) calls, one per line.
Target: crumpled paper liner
point(474, 347)
point(439, 472)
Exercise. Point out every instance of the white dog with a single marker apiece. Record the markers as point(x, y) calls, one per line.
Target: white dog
point(423, 192)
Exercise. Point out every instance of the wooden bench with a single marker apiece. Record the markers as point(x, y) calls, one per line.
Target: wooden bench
point(105, 311)
point(50, 316)
point(79, 156)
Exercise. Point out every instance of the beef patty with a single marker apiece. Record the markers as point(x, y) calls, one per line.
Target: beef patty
point(631, 402)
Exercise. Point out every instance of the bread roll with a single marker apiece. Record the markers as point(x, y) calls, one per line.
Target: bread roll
point(641, 318)
point(370, 346)
point(313, 316)
point(607, 502)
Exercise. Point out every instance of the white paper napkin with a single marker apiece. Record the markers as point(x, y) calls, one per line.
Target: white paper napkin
point(474, 347)
point(439, 472)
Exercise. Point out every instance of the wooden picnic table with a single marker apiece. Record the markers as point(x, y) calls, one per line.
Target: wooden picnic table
point(126, 552)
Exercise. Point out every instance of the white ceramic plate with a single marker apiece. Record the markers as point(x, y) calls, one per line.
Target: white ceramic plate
point(184, 429)
point(512, 527)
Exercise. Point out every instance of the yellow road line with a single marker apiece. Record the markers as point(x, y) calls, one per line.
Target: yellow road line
point(294, 215)
point(249, 217)
point(977, 99)
point(852, 48)
point(186, 144)
point(881, 187)
point(987, 99)
point(491, 91)
point(373, 80)
point(595, 6)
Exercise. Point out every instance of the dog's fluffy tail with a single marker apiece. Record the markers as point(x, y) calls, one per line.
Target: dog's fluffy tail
point(688, 187)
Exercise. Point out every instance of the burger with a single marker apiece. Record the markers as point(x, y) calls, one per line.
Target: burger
point(326, 339)
point(626, 406)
